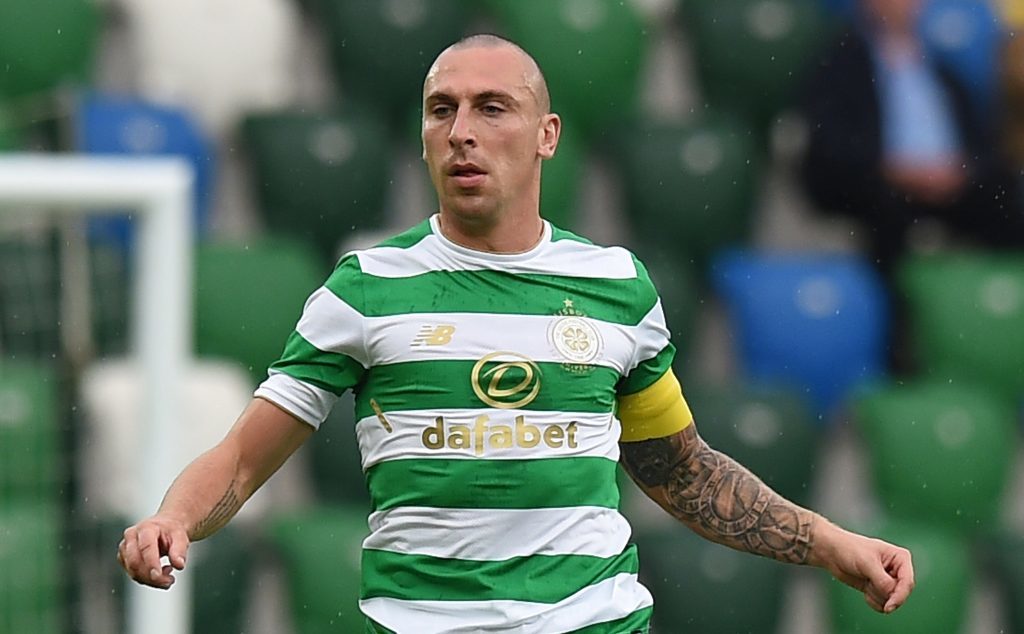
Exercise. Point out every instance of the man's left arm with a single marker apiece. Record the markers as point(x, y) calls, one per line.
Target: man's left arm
point(722, 501)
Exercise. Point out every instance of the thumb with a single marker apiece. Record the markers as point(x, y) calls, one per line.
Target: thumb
point(177, 549)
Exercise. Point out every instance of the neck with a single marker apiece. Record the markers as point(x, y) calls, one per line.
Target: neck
point(509, 235)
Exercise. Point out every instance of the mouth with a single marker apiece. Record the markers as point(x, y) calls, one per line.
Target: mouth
point(467, 175)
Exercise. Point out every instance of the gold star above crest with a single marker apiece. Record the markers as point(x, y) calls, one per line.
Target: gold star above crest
point(568, 303)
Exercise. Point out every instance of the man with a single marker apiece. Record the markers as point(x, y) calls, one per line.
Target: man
point(895, 139)
point(490, 352)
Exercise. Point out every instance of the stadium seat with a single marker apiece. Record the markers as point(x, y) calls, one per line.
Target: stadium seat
point(591, 53)
point(31, 547)
point(111, 124)
point(815, 322)
point(749, 54)
point(188, 56)
point(966, 318)
point(249, 298)
point(111, 394)
point(940, 452)
point(321, 550)
point(337, 473)
point(700, 586)
point(381, 50)
point(45, 43)
point(768, 430)
point(319, 177)
point(690, 189)
point(966, 36)
point(30, 447)
point(942, 571)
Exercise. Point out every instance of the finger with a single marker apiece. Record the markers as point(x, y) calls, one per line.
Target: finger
point(874, 603)
point(132, 559)
point(149, 550)
point(902, 568)
point(177, 548)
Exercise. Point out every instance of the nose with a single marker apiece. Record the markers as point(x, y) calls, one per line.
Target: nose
point(462, 133)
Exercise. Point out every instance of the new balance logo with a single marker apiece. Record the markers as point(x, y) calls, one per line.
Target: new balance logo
point(434, 336)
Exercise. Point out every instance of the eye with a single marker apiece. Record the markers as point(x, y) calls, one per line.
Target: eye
point(492, 109)
point(441, 110)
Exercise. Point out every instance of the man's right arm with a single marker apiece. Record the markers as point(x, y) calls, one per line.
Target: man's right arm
point(210, 490)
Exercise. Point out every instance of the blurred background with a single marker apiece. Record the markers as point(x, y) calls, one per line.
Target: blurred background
point(827, 193)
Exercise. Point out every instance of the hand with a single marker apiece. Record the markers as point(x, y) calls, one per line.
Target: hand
point(939, 184)
point(882, 571)
point(144, 544)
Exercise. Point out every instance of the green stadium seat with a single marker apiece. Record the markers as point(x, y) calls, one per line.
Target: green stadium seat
point(319, 177)
point(30, 458)
point(337, 473)
point(249, 298)
point(591, 53)
point(965, 316)
point(701, 586)
point(31, 547)
point(767, 429)
point(321, 550)
point(45, 42)
point(690, 188)
point(940, 453)
point(751, 53)
point(942, 572)
point(381, 50)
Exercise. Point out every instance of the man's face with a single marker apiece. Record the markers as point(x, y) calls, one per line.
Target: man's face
point(483, 130)
point(896, 14)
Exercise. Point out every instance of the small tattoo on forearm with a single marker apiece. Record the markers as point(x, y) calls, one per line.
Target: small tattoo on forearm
point(219, 515)
point(718, 497)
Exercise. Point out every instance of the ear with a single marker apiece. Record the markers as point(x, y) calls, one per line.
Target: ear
point(548, 133)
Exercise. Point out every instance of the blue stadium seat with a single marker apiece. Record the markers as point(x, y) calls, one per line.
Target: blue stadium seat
point(108, 124)
point(966, 35)
point(815, 321)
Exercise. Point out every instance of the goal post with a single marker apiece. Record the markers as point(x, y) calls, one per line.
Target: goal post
point(159, 192)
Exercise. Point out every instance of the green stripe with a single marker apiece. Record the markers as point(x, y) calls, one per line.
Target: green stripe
point(638, 622)
point(409, 237)
point(612, 300)
point(649, 371)
point(447, 384)
point(537, 578)
point(328, 371)
point(494, 484)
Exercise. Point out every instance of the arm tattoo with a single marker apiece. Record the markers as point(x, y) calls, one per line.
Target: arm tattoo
point(219, 515)
point(718, 498)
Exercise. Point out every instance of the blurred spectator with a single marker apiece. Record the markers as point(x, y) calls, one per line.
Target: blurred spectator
point(893, 139)
point(1013, 90)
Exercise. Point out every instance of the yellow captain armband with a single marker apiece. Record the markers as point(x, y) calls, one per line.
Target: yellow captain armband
point(654, 412)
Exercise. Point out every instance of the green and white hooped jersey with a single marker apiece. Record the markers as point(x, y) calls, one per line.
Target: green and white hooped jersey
point(486, 391)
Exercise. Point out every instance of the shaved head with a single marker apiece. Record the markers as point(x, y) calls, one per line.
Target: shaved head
point(534, 79)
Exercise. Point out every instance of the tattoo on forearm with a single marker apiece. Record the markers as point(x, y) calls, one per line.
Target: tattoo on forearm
point(718, 497)
point(219, 515)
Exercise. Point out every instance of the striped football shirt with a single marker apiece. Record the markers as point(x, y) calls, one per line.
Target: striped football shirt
point(486, 389)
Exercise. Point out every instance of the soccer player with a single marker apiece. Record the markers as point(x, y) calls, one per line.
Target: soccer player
point(502, 369)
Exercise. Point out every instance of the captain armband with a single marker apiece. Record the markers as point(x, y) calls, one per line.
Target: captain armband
point(656, 411)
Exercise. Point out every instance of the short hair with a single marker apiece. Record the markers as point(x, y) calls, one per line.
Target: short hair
point(490, 40)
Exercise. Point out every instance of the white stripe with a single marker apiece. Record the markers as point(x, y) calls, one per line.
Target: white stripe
point(594, 435)
point(483, 535)
point(401, 338)
point(608, 600)
point(652, 335)
point(306, 402)
point(564, 257)
point(332, 325)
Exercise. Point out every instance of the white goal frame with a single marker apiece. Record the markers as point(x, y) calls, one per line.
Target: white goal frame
point(159, 191)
